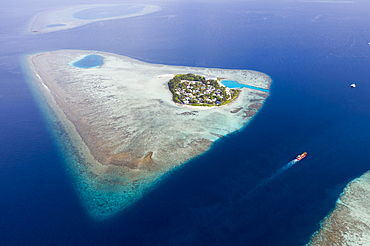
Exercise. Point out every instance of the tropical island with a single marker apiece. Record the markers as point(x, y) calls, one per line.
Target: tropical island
point(196, 90)
point(117, 125)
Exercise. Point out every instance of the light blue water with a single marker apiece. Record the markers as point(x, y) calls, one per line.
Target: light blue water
point(89, 61)
point(313, 52)
point(54, 25)
point(107, 12)
point(233, 84)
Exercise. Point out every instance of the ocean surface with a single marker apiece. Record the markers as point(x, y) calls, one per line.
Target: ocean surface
point(243, 190)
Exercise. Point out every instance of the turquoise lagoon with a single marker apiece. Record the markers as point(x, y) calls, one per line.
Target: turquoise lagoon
point(232, 84)
point(89, 61)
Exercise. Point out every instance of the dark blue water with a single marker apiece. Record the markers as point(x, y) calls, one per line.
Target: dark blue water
point(89, 61)
point(233, 84)
point(312, 51)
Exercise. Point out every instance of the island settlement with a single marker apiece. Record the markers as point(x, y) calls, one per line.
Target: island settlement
point(196, 90)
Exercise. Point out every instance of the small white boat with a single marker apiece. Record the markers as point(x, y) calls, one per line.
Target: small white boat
point(353, 85)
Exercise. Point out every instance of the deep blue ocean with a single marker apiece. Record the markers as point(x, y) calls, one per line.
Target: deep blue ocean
point(234, 194)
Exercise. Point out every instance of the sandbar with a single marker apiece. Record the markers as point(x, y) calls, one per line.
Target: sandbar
point(73, 16)
point(124, 128)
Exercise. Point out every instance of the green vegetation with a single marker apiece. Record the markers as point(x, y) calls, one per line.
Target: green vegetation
point(195, 90)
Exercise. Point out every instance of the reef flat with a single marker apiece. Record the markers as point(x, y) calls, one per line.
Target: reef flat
point(75, 16)
point(124, 128)
point(349, 222)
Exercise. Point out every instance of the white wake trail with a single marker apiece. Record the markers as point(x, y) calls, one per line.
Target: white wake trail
point(274, 175)
point(288, 165)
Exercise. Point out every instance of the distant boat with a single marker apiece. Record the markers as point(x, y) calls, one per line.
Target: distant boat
point(353, 85)
point(301, 156)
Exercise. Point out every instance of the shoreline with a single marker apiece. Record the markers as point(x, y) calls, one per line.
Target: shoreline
point(86, 175)
point(349, 222)
point(92, 116)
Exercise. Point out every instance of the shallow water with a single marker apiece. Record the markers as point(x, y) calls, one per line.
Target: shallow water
point(107, 12)
point(89, 61)
point(54, 25)
point(312, 51)
point(233, 84)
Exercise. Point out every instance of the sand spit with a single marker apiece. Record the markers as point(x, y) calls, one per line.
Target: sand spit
point(124, 128)
point(64, 18)
point(349, 223)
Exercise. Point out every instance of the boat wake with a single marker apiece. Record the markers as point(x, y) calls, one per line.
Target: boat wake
point(277, 173)
point(268, 179)
point(274, 175)
point(288, 165)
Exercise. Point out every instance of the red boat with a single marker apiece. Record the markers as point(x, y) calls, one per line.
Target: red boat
point(300, 157)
